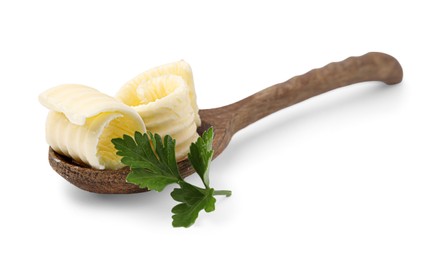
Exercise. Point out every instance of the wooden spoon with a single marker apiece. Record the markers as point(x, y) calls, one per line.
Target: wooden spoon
point(227, 120)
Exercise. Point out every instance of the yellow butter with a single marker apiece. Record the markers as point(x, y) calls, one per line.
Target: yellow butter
point(165, 98)
point(82, 121)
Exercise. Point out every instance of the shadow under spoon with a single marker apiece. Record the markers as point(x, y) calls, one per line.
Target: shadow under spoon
point(227, 120)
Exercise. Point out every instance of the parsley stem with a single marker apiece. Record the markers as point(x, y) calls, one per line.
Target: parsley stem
point(222, 192)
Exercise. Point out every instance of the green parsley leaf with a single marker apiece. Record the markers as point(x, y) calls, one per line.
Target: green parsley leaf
point(153, 165)
point(200, 155)
point(149, 169)
point(194, 199)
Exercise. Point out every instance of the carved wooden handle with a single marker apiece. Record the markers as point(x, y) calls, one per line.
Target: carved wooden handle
point(372, 66)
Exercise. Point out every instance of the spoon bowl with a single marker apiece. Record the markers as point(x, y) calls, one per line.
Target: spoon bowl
point(107, 181)
point(227, 120)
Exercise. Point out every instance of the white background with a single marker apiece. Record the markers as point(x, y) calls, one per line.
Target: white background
point(353, 174)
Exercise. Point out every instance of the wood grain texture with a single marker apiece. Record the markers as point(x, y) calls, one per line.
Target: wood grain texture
point(227, 120)
point(373, 66)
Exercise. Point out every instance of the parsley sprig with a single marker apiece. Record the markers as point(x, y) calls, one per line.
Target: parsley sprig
point(153, 165)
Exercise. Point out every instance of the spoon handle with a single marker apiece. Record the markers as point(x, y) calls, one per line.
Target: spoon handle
point(372, 66)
